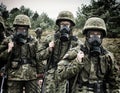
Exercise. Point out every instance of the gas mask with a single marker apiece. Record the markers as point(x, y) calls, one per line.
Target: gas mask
point(21, 37)
point(95, 43)
point(65, 33)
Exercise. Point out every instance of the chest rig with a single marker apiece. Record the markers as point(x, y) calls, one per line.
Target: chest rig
point(24, 54)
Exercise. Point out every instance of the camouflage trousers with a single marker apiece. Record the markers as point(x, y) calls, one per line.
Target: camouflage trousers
point(63, 87)
point(49, 85)
point(85, 89)
point(30, 86)
point(82, 90)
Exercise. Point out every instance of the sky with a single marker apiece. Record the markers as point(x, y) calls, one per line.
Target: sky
point(51, 7)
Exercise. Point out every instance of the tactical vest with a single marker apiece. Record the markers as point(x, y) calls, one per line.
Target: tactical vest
point(25, 54)
point(23, 64)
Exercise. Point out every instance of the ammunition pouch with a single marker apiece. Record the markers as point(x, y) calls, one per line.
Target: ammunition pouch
point(15, 64)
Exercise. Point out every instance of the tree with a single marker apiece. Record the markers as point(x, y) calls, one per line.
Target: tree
point(35, 16)
point(13, 13)
point(3, 11)
point(43, 21)
point(80, 20)
point(2, 7)
point(109, 10)
point(26, 11)
point(37, 20)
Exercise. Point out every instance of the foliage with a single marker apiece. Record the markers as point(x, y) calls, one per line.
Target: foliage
point(80, 20)
point(4, 12)
point(26, 11)
point(43, 21)
point(35, 16)
point(37, 20)
point(109, 10)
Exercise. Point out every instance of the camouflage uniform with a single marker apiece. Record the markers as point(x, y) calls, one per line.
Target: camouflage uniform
point(22, 68)
point(60, 49)
point(38, 32)
point(96, 73)
point(3, 48)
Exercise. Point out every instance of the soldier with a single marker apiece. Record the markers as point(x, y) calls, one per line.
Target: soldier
point(38, 32)
point(22, 68)
point(55, 47)
point(94, 69)
point(3, 62)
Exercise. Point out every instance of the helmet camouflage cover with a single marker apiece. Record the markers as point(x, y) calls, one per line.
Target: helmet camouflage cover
point(95, 23)
point(38, 29)
point(22, 20)
point(65, 15)
point(2, 22)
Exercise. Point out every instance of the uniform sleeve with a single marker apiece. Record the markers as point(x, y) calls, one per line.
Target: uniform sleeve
point(69, 70)
point(3, 51)
point(72, 52)
point(113, 77)
point(43, 48)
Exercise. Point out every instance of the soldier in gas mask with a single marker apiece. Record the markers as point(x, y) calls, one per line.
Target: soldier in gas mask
point(55, 47)
point(21, 30)
point(95, 31)
point(22, 68)
point(94, 69)
point(38, 32)
point(65, 23)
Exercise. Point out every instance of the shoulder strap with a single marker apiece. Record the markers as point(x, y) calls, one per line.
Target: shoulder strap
point(74, 83)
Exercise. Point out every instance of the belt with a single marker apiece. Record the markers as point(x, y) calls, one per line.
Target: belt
point(23, 61)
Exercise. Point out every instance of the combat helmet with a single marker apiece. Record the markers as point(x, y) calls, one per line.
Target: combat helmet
point(95, 23)
point(22, 20)
point(2, 22)
point(38, 29)
point(65, 15)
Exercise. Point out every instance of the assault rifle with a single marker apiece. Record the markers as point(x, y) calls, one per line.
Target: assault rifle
point(3, 70)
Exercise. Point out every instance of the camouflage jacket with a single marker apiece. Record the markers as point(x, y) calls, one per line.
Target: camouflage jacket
point(90, 71)
point(59, 50)
point(3, 51)
point(22, 61)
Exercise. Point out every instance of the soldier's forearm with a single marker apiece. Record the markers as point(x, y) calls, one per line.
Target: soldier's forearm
point(70, 70)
